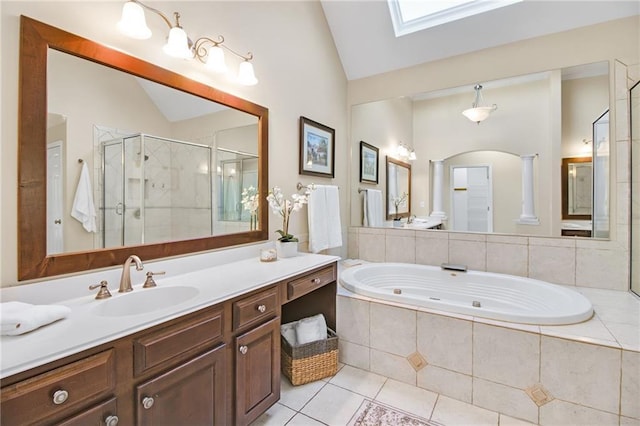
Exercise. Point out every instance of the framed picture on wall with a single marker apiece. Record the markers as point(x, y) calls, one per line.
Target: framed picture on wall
point(368, 163)
point(317, 149)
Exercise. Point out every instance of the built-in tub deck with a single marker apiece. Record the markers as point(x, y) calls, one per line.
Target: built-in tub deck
point(584, 373)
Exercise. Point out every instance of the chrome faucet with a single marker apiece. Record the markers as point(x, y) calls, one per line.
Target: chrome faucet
point(125, 279)
point(410, 218)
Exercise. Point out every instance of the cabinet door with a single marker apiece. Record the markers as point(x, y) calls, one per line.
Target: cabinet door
point(257, 371)
point(191, 394)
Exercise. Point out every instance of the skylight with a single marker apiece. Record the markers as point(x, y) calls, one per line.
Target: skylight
point(409, 16)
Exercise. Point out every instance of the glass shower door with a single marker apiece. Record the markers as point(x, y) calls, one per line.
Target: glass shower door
point(634, 95)
point(113, 207)
point(600, 216)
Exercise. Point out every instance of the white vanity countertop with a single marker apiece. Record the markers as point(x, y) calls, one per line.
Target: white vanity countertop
point(84, 328)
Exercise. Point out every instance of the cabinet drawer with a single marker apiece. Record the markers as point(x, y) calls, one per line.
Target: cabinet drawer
point(105, 413)
point(256, 308)
point(182, 338)
point(311, 281)
point(71, 387)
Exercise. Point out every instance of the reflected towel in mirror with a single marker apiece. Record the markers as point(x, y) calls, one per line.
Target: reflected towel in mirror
point(83, 207)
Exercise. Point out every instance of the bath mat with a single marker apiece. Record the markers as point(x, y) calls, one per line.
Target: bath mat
point(372, 413)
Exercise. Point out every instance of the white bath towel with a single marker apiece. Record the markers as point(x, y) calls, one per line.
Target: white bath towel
point(288, 331)
point(19, 318)
point(83, 208)
point(311, 329)
point(373, 208)
point(325, 228)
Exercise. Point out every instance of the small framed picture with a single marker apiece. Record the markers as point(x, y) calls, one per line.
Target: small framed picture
point(368, 163)
point(317, 149)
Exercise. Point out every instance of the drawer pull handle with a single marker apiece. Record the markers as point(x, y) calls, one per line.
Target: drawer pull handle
point(316, 280)
point(147, 402)
point(262, 309)
point(60, 396)
point(243, 349)
point(111, 421)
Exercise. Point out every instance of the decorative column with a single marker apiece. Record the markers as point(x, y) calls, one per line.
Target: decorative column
point(528, 216)
point(438, 178)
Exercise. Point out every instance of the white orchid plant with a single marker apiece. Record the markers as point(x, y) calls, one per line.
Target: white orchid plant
point(400, 201)
point(284, 207)
point(251, 201)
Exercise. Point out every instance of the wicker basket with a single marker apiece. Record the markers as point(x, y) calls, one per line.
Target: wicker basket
point(311, 361)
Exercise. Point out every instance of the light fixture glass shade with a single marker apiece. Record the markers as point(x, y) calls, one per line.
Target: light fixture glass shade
point(215, 60)
point(132, 23)
point(478, 114)
point(178, 44)
point(246, 75)
point(412, 155)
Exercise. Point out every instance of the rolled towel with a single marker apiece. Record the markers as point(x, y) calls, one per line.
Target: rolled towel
point(19, 318)
point(311, 329)
point(289, 332)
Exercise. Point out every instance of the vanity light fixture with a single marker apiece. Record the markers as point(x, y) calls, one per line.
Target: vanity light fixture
point(405, 152)
point(477, 112)
point(207, 50)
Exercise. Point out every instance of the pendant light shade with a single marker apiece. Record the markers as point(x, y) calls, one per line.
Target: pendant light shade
point(132, 23)
point(178, 44)
point(246, 75)
point(215, 60)
point(477, 112)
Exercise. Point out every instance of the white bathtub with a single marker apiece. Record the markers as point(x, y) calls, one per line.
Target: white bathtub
point(495, 296)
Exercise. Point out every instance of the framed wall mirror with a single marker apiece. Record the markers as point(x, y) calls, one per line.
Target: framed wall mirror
point(398, 189)
point(167, 158)
point(577, 188)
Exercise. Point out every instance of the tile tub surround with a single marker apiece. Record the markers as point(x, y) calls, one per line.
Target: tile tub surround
point(569, 261)
point(586, 371)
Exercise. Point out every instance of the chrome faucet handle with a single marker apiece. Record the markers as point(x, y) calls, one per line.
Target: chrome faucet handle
point(150, 282)
point(104, 292)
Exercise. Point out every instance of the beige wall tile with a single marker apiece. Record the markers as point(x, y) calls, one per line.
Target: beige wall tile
point(471, 236)
point(401, 248)
point(630, 391)
point(445, 342)
point(622, 161)
point(561, 413)
point(506, 356)
point(512, 259)
point(371, 246)
point(470, 253)
point(393, 366)
point(607, 269)
point(581, 373)
point(446, 382)
point(352, 249)
point(628, 421)
point(553, 264)
point(393, 330)
point(551, 242)
point(507, 239)
point(504, 399)
point(353, 354)
point(432, 248)
point(352, 317)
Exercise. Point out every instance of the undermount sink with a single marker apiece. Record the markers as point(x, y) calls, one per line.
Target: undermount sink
point(144, 300)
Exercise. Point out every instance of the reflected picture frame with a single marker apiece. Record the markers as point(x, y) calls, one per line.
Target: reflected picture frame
point(317, 149)
point(369, 163)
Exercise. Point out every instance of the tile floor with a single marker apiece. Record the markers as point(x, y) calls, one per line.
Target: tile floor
point(335, 400)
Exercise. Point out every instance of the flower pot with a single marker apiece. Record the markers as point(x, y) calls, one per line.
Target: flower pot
point(397, 223)
point(287, 249)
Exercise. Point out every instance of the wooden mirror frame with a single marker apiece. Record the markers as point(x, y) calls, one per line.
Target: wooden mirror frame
point(564, 180)
point(33, 262)
point(398, 163)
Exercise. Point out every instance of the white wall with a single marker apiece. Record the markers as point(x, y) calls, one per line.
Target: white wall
point(298, 68)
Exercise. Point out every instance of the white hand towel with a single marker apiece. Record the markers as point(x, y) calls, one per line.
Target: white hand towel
point(325, 228)
point(83, 208)
point(373, 209)
point(288, 331)
point(19, 318)
point(311, 329)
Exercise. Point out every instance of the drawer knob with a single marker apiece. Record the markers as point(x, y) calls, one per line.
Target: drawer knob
point(316, 280)
point(262, 309)
point(147, 402)
point(60, 396)
point(111, 421)
point(243, 349)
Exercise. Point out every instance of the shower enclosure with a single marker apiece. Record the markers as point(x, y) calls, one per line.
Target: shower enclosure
point(236, 171)
point(155, 189)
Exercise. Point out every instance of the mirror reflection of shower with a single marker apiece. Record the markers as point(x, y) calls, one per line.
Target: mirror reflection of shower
point(154, 189)
point(236, 171)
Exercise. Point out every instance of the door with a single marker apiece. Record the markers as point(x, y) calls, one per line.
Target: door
point(55, 202)
point(471, 201)
point(192, 394)
point(257, 371)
